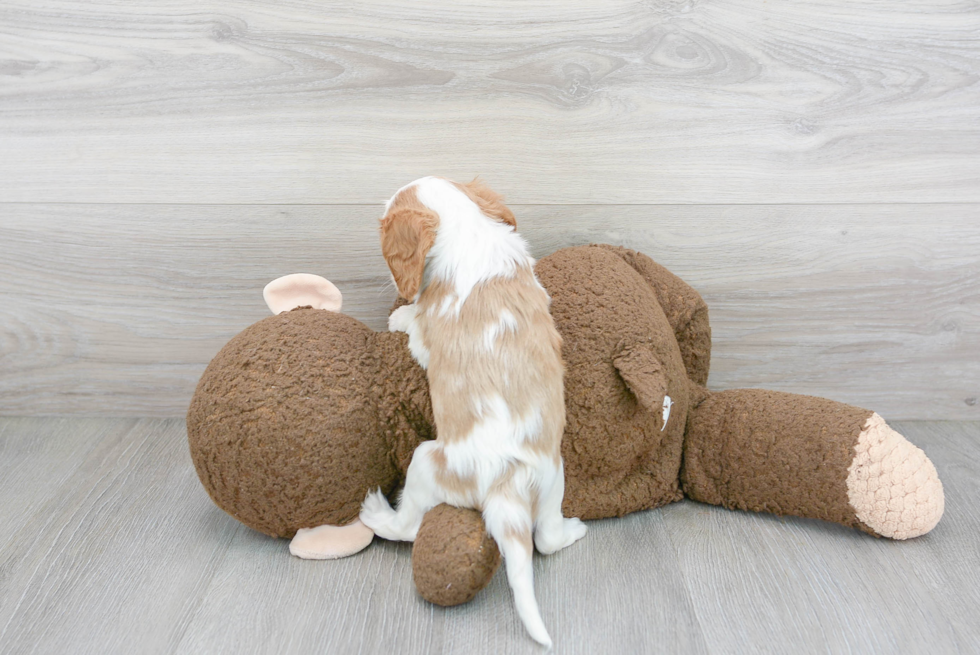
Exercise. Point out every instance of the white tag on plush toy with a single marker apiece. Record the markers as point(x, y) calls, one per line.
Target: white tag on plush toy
point(668, 403)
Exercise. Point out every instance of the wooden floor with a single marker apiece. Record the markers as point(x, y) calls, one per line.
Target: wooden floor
point(110, 545)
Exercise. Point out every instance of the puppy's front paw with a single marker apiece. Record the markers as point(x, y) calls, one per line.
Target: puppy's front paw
point(401, 318)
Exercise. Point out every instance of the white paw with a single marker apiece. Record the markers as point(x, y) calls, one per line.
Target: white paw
point(575, 529)
point(376, 513)
point(571, 531)
point(401, 319)
point(388, 524)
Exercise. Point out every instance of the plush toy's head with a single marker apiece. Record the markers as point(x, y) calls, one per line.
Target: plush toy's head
point(283, 427)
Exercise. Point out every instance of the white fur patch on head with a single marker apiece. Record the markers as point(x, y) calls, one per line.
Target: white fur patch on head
point(469, 247)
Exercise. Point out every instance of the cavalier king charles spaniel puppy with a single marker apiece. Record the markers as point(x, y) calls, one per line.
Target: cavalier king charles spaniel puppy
point(479, 324)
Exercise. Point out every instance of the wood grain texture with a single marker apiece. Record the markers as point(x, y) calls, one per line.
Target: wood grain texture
point(733, 101)
point(811, 585)
point(939, 563)
point(117, 558)
point(369, 604)
point(121, 551)
point(33, 467)
point(116, 309)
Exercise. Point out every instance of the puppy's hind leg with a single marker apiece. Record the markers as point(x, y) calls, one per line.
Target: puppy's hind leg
point(552, 531)
point(508, 520)
point(419, 496)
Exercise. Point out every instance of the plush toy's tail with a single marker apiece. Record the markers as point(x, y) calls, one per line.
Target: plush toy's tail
point(783, 453)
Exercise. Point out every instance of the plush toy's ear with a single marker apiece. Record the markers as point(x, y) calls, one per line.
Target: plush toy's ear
point(643, 373)
point(301, 289)
point(406, 237)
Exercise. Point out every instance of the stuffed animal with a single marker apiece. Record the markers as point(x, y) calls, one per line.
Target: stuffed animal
point(303, 413)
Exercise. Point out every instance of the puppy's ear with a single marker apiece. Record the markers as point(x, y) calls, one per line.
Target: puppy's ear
point(406, 237)
point(489, 201)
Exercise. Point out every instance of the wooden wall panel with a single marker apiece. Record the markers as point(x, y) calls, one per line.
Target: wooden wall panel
point(733, 101)
point(116, 309)
point(812, 167)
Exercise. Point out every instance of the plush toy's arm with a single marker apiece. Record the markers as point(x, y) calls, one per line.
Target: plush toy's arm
point(685, 309)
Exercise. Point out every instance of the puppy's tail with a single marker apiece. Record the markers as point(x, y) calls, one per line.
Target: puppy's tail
point(508, 520)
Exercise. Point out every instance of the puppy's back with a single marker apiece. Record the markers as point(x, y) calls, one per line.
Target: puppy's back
point(496, 350)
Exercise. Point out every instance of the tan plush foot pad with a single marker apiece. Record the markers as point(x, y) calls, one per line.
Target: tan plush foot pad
point(892, 486)
point(331, 541)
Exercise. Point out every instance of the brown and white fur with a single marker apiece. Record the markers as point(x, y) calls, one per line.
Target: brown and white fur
point(480, 326)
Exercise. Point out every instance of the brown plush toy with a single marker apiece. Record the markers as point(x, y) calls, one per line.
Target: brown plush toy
point(304, 412)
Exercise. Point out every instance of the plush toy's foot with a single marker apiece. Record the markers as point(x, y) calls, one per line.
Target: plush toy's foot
point(454, 556)
point(891, 484)
point(331, 541)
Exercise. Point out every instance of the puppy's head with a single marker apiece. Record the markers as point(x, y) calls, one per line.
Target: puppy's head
point(409, 226)
point(408, 231)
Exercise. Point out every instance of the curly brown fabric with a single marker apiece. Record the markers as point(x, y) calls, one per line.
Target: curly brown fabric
point(454, 557)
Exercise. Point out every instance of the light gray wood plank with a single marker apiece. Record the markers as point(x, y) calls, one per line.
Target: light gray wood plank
point(732, 101)
point(117, 561)
point(116, 309)
point(36, 459)
point(623, 587)
point(765, 584)
point(620, 586)
point(768, 585)
point(945, 562)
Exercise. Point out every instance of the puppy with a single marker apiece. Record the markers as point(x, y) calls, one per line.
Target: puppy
point(479, 324)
